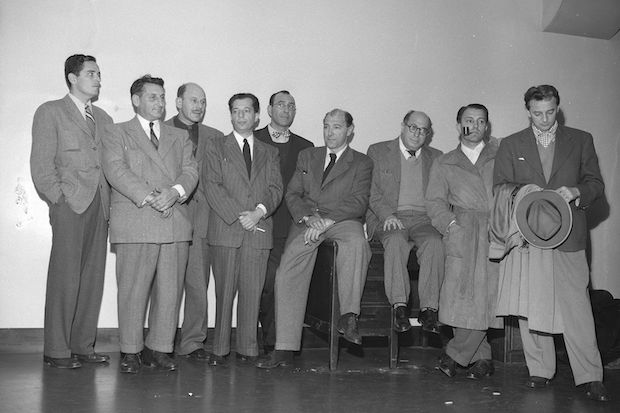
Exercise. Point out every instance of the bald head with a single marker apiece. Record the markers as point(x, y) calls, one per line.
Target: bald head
point(191, 103)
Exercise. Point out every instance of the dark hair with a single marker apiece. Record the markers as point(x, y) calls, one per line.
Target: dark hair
point(347, 116)
point(542, 92)
point(238, 96)
point(137, 87)
point(476, 106)
point(74, 64)
point(273, 97)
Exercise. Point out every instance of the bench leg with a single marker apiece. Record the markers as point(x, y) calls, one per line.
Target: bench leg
point(334, 336)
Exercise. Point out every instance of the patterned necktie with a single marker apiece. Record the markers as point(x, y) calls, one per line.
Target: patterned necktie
point(90, 119)
point(330, 165)
point(276, 134)
point(154, 139)
point(545, 138)
point(247, 157)
point(412, 153)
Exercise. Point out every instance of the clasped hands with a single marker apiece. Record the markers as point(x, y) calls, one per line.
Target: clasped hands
point(249, 219)
point(315, 227)
point(162, 200)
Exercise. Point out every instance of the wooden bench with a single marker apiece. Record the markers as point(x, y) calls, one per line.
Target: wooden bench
point(376, 314)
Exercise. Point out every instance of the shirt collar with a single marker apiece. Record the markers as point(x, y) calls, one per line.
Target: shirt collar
point(338, 154)
point(405, 151)
point(473, 153)
point(147, 128)
point(81, 105)
point(545, 137)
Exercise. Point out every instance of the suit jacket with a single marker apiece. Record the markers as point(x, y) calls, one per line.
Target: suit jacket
point(575, 164)
point(197, 201)
point(229, 191)
point(344, 194)
point(134, 169)
point(385, 186)
point(65, 160)
point(282, 217)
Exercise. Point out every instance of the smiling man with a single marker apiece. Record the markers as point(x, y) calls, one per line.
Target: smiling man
point(151, 170)
point(242, 182)
point(327, 198)
point(191, 102)
point(66, 169)
point(397, 217)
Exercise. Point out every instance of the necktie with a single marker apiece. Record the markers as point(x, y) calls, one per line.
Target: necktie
point(154, 139)
point(330, 165)
point(247, 157)
point(90, 120)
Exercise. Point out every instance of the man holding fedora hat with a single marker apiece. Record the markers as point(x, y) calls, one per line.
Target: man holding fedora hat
point(558, 168)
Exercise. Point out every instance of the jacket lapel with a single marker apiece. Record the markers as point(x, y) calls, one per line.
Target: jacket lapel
point(563, 147)
point(427, 161)
point(341, 166)
point(531, 155)
point(318, 165)
point(76, 116)
point(258, 160)
point(236, 156)
point(394, 156)
point(144, 142)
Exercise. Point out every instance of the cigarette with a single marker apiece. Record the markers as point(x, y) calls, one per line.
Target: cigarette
point(259, 229)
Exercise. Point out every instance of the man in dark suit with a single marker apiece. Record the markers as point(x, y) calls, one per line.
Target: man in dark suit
point(397, 217)
point(282, 111)
point(328, 198)
point(557, 157)
point(242, 182)
point(66, 169)
point(152, 171)
point(191, 103)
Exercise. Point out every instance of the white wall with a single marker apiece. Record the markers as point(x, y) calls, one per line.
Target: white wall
point(375, 59)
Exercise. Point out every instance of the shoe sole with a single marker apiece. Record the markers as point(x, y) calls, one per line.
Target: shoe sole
point(349, 339)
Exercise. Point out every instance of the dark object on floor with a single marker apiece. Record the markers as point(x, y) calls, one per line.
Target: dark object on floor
point(428, 318)
point(447, 365)
point(595, 390)
point(481, 369)
point(152, 358)
point(130, 363)
point(91, 358)
point(62, 363)
point(536, 382)
point(275, 359)
point(401, 319)
point(347, 326)
point(198, 354)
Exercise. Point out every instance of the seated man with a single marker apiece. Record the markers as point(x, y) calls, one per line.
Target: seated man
point(397, 215)
point(327, 197)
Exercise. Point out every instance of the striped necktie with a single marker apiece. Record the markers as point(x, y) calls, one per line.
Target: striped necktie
point(154, 139)
point(90, 119)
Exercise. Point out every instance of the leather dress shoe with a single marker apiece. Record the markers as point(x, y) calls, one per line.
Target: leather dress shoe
point(91, 358)
point(347, 326)
point(537, 382)
point(198, 354)
point(401, 319)
point(243, 359)
point(152, 358)
point(428, 319)
point(481, 369)
point(275, 359)
point(215, 360)
point(62, 363)
point(596, 390)
point(447, 365)
point(130, 363)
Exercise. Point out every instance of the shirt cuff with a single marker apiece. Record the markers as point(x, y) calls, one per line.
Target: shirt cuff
point(262, 208)
point(179, 189)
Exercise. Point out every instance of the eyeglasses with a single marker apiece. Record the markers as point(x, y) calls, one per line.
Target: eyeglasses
point(414, 129)
point(282, 106)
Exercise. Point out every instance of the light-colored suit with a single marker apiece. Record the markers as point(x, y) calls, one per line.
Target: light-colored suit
point(239, 257)
point(151, 249)
point(66, 169)
point(384, 193)
point(342, 197)
point(196, 281)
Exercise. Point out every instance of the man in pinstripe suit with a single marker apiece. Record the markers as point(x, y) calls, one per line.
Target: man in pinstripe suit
point(242, 182)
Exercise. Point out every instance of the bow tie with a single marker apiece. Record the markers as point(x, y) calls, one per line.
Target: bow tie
point(276, 134)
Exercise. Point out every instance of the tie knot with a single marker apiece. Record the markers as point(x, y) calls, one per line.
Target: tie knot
point(151, 124)
point(332, 157)
point(411, 152)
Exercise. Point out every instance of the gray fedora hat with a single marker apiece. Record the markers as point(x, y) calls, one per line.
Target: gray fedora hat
point(544, 218)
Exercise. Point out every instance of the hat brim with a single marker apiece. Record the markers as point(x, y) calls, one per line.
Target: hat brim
point(566, 217)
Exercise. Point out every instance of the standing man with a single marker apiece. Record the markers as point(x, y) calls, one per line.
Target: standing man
point(243, 185)
point(459, 201)
point(563, 159)
point(282, 111)
point(328, 198)
point(66, 169)
point(397, 217)
point(152, 171)
point(191, 104)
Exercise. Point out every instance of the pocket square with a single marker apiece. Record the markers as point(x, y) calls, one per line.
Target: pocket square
point(521, 158)
point(304, 172)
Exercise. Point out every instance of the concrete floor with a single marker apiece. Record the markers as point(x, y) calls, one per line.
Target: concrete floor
point(362, 383)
